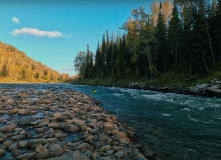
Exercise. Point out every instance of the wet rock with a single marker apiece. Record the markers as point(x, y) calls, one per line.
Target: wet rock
point(119, 154)
point(60, 135)
point(93, 131)
point(53, 125)
point(108, 126)
point(109, 152)
point(63, 118)
point(89, 138)
point(43, 124)
point(26, 156)
point(17, 152)
point(18, 137)
point(104, 158)
point(2, 151)
point(8, 128)
point(12, 111)
point(42, 155)
point(22, 143)
point(71, 156)
point(71, 128)
point(98, 144)
point(41, 141)
point(119, 148)
point(56, 150)
point(47, 101)
point(83, 145)
point(105, 148)
point(39, 148)
point(120, 135)
point(26, 120)
point(7, 143)
point(23, 111)
point(102, 138)
point(57, 115)
point(13, 146)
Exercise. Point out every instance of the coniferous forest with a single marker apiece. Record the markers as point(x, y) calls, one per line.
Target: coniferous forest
point(183, 35)
point(16, 66)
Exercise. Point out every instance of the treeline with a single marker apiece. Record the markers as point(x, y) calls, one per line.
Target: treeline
point(185, 35)
point(17, 66)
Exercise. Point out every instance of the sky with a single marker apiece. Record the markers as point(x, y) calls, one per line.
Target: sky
point(54, 31)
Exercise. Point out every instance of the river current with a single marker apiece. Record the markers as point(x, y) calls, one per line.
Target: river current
point(175, 126)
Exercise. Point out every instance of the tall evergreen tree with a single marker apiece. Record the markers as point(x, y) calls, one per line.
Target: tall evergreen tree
point(161, 32)
point(174, 33)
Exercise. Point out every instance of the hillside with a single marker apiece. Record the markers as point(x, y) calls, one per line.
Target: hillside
point(16, 66)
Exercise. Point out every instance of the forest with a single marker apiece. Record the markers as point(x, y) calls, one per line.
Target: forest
point(180, 35)
point(16, 66)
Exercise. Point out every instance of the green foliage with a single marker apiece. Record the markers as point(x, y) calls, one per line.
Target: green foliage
point(174, 49)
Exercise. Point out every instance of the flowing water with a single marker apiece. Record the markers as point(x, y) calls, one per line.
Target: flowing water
point(175, 126)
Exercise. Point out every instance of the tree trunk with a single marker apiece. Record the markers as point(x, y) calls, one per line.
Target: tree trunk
point(220, 49)
point(165, 64)
point(148, 56)
point(206, 66)
point(176, 54)
point(210, 43)
point(190, 70)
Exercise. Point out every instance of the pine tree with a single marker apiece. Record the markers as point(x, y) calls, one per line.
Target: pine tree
point(161, 32)
point(174, 33)
point(98, 64)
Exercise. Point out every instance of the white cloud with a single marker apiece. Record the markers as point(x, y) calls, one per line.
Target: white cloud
point(14, 19)
point(36, 32)
point(66, 69)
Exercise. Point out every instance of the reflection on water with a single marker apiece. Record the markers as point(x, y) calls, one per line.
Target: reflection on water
point(175, 126)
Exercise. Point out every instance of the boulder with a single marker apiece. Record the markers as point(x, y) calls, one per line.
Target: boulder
point(71, 156)
point(71, 128)
point(42, 155)
point(23, 111)
point(8, 128)
point(194, 90)
point(26, 156)
point(18, 137)
point(105, 148)
point(57, 115)
point(26, 120)
point(56, 150)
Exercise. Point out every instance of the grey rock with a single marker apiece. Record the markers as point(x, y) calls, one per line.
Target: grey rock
point(82, 145)
point(109, 152)
point(41, 141)
point(2, 151)
point(42, 155)
point(71, 128)
point(119, 154)
point(201, 86)
point(194, 90)
point(22, 143)
point(98, 144)
point(71, 156)
point(13, 146)
point(18, 137)
point(104, 158)
point(26, 120)
point(17, 152)
point(26, 156)
point(56, 150)
point(105, 148)
point(7, 143)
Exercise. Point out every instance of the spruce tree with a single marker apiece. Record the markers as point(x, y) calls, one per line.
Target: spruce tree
point(161, 32)
point(174, 33)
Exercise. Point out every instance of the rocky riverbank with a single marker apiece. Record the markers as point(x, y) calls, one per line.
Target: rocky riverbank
point(63, 125)
point(206, 89)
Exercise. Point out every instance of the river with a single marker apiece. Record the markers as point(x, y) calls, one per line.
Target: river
point(175, 126)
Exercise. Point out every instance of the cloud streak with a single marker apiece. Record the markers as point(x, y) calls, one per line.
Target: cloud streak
point(37, 32)
point(14, 19)
point(66, 69)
